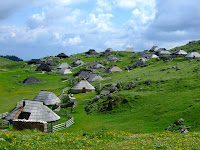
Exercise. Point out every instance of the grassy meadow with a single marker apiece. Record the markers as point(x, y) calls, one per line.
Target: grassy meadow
point(138, 124)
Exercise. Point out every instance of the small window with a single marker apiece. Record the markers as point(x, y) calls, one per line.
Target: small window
point(24, 115)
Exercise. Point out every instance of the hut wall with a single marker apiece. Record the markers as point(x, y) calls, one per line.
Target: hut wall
point(21, 124)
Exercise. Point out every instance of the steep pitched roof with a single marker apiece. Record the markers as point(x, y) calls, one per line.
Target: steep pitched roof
point(106, 53)
point(149, 55)
point(129, 50)
point(35, 61)
point(96, 65)
point(47, 97)
point(112, 58)
point(154, 49)
point(83, 84)
point(64, 65)
point(77, 62)
point(51, 63)
point(62, 55)
point(82, 74)
point(193, 54)
point(91, 52)
point(32, 110)
point(31, 80)
point(162, 52)
point(43, 67)
point(94, 77)
point(179, 52)
point(113, 68)
point(64, 71)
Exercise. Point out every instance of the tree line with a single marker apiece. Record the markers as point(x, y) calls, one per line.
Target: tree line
point(12, 57)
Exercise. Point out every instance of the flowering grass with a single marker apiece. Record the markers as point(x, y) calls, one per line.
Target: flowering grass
point(32, 139)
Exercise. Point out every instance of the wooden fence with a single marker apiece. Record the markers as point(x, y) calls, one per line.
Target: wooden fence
point(63, 125)
point(5, 122)
point(3, 115)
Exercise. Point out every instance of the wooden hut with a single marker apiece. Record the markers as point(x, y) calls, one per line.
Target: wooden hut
point(193, 54)
point(91, 52)
point(51, 63)
point(32, 110)
point(64, 71)
point(154, 49)
point(47, 97)
point(62, 55)
point(83, 74)
point(31, 80)
point(95, 65)
point(94, 77)
point(107, 52)
point(43, 67)
point(35, 62)
point(64, 65)
point(113, 68)
point(129, 50)
point(77, 62)
point(112, 58)
point(82, 86)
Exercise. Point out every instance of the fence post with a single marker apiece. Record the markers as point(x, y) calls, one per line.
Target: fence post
point(51, 126)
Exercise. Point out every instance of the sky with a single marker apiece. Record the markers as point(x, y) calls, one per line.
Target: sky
point(35, 29)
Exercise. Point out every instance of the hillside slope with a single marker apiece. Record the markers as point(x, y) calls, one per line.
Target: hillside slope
point(164, 92)
point(4, 61)
point(189, 46)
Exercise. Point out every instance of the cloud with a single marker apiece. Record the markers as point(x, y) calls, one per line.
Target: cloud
point(65, 2)
point(175, 21)
point(9, 7)
point(104, 5)
point(74, 41)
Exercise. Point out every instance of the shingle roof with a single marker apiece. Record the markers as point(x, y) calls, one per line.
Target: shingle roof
point(82, 74)
point(129, 49)
point(94, 77)
point(95, 64)
point(113, 68)
point(64, 65)
point(154, 49)
point(47, 97)
point(193, 54)
point(77, 62)
point(112, 58)
point(62, 55)
point(31, 80)
point(43, 67)
point(32, 110)
point(91, 52)
point(64, 71)
point(107, 52)
point(51, 63)
point(179, 52)
point(35, 61)
point(83, 84)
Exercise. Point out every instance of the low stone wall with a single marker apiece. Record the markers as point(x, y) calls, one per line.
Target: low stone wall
point(21, 124)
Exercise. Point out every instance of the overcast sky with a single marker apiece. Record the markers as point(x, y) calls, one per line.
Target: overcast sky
point(35, 28)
